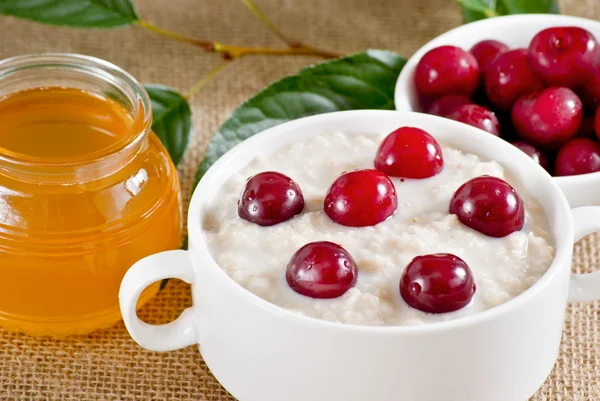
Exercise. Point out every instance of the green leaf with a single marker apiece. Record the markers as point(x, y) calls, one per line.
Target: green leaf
point(361, 81)
point(481, 6)
point(474, 10)
point(172, 123)
point(73, 13)
point(470, 15)
point(531, 6)
point(171, 119)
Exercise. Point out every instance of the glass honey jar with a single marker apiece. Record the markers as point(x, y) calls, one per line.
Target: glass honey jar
point(86, 190)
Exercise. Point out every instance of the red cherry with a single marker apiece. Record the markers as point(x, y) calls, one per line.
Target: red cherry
point(578, 156)
point(321, 270)
point(478, 117)
point(597, 122)
point(590, 92)
point(446, 70)
point(270, 198)
point(548, 118)
point(486, 52)
point(361, 198)
point(410, 153)
point(489, 205)
point(586, 129)
point(533, 152)
point(564, 56)
point(509, 77)
point(438, 283)
point(446, 104)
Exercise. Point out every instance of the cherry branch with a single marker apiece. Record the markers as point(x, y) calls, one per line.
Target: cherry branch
point(292, 44)
point(240, 51)
point(231, 51)
point(173, 35)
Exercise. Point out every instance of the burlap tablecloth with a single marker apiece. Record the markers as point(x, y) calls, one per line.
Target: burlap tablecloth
point(108, 365)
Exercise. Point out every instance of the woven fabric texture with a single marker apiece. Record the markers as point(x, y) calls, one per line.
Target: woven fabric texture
point(108, 365)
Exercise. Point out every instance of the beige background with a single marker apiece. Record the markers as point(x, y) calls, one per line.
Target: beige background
point(108, 365)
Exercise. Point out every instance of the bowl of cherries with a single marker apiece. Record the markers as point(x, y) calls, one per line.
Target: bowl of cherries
point(533, 80)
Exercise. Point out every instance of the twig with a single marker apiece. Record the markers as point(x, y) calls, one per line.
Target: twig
point(230, 51)
point(172, 35)
point(202, 82)
point(292, 44)
point(272, 27)
point(239, 51)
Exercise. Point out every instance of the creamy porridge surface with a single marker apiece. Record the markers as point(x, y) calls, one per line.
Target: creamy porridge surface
point(256, 257)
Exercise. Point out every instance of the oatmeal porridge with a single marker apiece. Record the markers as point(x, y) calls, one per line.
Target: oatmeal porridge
point(256, 256)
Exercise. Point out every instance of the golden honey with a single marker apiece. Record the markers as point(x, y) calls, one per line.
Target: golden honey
point(86, 190)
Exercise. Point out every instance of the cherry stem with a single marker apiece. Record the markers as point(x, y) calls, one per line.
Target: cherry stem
point(230, 51)
point(204, 80)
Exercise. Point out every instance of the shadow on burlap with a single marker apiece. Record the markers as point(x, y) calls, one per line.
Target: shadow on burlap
point(108, 365)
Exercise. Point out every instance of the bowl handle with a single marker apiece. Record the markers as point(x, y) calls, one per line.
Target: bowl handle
point(585, 287)
point(168, 337)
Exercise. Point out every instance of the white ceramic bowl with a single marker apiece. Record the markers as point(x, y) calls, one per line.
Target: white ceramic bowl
point(261, 352)
point(516, 31)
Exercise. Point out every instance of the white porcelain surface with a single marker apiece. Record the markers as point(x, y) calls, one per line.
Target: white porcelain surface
point(516, 31)
point(260, 352)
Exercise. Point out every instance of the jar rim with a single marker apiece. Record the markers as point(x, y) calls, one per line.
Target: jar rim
point(98, 68)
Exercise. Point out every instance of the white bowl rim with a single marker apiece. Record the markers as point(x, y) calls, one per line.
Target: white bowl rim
point(563, 246)
point(412, 61)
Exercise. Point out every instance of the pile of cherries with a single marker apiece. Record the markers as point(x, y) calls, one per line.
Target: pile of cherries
point(436, 283)
point(542, 99)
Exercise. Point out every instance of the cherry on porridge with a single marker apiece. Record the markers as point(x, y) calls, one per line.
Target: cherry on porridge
point(478, 117)
point(361, 285)
point(578, 156)
point(489, 205)
point(361, 198)
point(447, 70)
point(321, 270)
point(548, 118)
point(270, 198)
point(564, 56)
point(437, 283)
point(410, 153)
